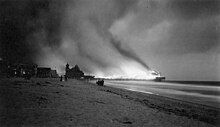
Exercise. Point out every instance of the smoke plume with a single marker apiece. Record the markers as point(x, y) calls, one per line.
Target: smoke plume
point(113, 37)
point(127, 52)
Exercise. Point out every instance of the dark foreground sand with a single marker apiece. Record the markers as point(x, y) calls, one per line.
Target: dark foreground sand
point(50, 103)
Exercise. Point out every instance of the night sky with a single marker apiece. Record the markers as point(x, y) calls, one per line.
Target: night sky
point(179, 38)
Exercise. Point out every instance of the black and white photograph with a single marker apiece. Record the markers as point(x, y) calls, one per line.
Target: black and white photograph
point(109, 63)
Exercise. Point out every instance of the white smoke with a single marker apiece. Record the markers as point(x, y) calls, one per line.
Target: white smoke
point(120, 38)
point(87, 41)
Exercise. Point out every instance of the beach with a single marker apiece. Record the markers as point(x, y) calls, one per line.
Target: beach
point(50, 103)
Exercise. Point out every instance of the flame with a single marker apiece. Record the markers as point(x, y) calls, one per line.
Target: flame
point(129, 70)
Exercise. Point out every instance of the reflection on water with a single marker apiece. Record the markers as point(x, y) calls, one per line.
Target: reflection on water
point(203, 94)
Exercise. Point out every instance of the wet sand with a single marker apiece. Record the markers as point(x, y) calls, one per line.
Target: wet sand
point(50, 103)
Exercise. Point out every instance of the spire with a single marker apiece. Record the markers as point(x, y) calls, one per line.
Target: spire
point(67, 67)
point(76, 67)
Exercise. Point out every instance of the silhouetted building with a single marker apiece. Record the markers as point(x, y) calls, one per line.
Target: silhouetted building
point(74, 72)
point(28, 69)
point(3, 68)
point(21, 70)
point(54, 74)
point(25, 70)
point(43, 72)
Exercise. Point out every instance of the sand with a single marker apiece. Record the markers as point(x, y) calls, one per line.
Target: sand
point(51, 103)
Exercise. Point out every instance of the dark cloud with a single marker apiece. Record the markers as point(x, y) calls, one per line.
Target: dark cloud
point(190, 9)
point(191, 37)
point(13, 30)
point(21, 21)
point(125, 6)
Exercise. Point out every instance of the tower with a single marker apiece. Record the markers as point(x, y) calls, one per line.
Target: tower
point(67, 68)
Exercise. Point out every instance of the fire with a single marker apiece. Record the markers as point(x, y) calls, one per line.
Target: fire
point(129, 70)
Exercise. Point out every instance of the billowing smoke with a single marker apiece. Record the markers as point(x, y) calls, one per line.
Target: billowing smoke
point(52, 33)
point(112, 37)
point(88, 33)
point(128, 52)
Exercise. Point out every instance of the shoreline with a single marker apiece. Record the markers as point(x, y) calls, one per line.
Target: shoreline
point(173, 99)
point(201, 94)
point(48, 102)
point(182, 109)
